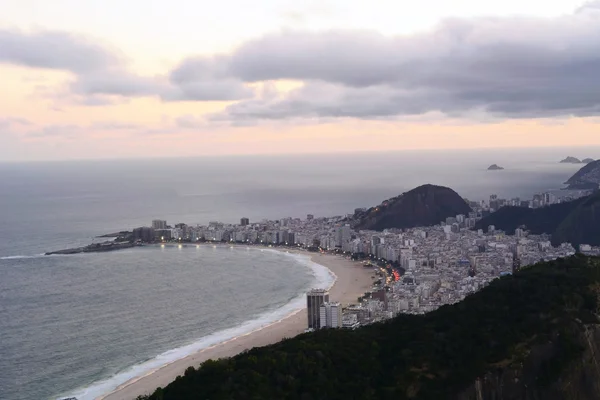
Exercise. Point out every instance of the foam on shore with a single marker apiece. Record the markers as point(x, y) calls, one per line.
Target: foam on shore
point(21, 257)
point(324, 279)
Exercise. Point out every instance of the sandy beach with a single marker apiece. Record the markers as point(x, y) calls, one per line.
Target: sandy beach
point(352, 281)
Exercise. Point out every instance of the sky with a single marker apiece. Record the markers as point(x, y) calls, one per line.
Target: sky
point(83, 79)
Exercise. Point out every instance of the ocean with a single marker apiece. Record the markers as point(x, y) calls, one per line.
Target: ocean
point(83, 324)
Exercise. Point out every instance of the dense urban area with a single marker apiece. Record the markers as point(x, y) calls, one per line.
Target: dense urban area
point(415, 270)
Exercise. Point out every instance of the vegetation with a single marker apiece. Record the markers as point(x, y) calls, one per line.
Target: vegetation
point(425, 205)
point(432, 356)
point(576, 222)
point(587, 177)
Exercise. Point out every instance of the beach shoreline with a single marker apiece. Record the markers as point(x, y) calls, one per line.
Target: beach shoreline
point(351, 280)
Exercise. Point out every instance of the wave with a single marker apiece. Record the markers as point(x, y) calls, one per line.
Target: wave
point(324, 278)
point(21, 257)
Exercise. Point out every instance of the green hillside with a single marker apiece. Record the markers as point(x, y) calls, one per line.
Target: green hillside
point(576, 222)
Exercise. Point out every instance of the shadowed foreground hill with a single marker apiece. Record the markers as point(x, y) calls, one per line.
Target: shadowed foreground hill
point(576, 222)
point(534, 335)
point(425, 205)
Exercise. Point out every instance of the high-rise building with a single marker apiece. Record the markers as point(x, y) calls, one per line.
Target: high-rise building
point(314, 299)
point(330, 315)
point(342, 235)
point(244, 222)
point(516, 266)
point(145, 234)
point(159, 224)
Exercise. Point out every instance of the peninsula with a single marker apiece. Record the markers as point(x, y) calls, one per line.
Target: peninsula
point(96, 248)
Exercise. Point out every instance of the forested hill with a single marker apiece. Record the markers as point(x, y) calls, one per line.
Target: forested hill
point(536, 220)
point(528, 336)
point(576, 222)
point(425, 205)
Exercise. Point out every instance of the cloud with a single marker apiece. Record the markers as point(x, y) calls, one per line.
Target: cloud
point(508, 67)
point(513, 67)
point(101, 74)
point(188, 87)
point(590, 6)
point(11, 122)
point(113, 125)
point(190, 122)
point(56, 131)
point(54, 50)
point(102, 128)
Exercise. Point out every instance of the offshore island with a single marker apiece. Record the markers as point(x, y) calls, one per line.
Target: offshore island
point(416, 261)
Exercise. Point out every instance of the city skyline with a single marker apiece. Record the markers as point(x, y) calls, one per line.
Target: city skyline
point(179, 79)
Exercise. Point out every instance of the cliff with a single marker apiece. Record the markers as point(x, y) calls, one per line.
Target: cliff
point(587, 177)
point(423, 206)
point(576, 222)
point(531, 336)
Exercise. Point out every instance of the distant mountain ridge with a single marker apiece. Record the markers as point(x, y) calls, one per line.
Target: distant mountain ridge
point(588, 177)
point(425, 205)
point(576, 222)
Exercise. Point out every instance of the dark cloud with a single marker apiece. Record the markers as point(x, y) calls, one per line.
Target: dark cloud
point(507, 67)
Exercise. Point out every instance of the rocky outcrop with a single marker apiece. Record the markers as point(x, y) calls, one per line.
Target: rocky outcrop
point(495, 167)
point(95, 248)
point(571, 160)
point(423, 206)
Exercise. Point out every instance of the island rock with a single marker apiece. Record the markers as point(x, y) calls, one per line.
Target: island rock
point(587, 160)
point(571, 160)
point(495, 167)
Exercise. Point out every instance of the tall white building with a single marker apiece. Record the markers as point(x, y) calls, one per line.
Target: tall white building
point(343, 235)
point(330, 315)
point(159, 224)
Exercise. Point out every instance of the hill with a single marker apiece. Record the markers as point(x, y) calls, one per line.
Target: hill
point(576, 222)
point(587, 177)
point(533, 335)
point(571, 160)
point(582, 225)
point(423, 206)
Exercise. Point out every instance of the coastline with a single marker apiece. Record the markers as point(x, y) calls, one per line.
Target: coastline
point(351, 281)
